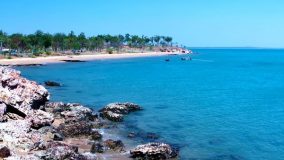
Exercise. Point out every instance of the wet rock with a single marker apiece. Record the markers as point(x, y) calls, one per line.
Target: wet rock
point(114, 145)
point(97, 148)
point(116, 111)
point(115, 117)
point(52, 84)
point(154, 151)
point(4, 152)
point(96, 136)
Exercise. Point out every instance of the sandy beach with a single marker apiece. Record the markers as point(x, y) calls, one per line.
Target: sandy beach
point(60, 59)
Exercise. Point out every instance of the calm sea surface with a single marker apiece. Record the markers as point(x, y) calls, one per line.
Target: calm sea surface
point(223, 105)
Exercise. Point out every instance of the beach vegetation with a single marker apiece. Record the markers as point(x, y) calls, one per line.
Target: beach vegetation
point(41, 43)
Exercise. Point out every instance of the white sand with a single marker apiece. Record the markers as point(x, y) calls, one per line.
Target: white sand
point(58, 59)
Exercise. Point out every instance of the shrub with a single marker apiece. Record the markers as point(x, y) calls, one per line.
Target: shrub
point(110, 51)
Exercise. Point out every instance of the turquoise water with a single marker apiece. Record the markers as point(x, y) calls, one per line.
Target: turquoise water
point(223, 105)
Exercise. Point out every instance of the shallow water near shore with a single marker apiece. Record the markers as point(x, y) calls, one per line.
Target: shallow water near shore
point(225, 104)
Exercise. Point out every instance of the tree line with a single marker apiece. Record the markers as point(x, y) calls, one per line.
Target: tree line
point(45, 42)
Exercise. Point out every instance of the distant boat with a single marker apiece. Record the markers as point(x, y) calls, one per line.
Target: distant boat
point(167, 60)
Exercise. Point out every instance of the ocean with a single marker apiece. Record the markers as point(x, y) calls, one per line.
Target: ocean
point(224, 104)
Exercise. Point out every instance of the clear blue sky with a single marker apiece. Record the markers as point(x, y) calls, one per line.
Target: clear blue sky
point(205, 23)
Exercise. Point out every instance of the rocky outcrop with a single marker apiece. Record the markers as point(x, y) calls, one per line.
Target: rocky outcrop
point(19, 94)
point(72, 119)
point(116, 111)
point(33, 128)
point(154, 151)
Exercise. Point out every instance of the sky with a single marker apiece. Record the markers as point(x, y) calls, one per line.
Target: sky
point(195, 23)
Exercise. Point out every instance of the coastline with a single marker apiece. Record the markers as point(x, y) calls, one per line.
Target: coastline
point(84, 57)
point(32, 127)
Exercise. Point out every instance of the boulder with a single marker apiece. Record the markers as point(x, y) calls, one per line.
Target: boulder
point(39, 118)
point(20, 93)
point(4, 152)
point(115, 117)
point(61, 151)
point(97, 148)
point(96, 136)
point(69, 111)
point(52, 84)
point(114, 145)
point(154, 151)
point(80, 128)
point(116, 111)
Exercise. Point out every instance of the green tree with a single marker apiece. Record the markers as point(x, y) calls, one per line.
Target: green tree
point(82, 40)
point(58, 42)
point(168, 40)
point(157, 40)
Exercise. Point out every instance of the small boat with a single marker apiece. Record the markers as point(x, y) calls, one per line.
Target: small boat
point(167, 60)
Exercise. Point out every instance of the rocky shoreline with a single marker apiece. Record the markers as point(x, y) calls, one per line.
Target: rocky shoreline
point(31, 127)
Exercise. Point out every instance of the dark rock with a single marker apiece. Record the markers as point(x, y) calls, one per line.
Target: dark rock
point(154, 151)
point(114, 145)
point(116, 111)
point(58, 137)
point(97, 148)
point(4, 152)
point(96, 136)
point(73, 60)
point(80, 128)
point(52, 84)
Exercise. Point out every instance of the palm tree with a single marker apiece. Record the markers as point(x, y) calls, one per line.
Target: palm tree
point(157, 40)
point(168, 40)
